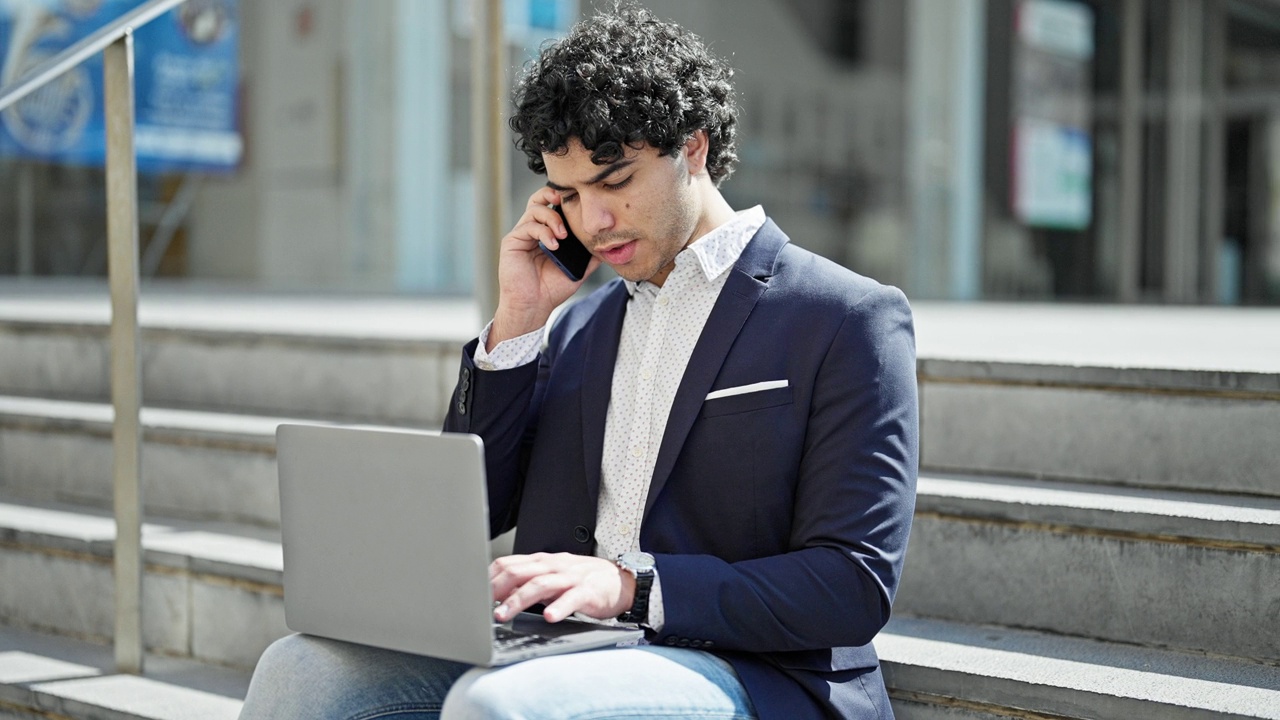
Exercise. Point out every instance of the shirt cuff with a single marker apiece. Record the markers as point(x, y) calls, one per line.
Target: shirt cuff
point(508, 354)
point(657, 618)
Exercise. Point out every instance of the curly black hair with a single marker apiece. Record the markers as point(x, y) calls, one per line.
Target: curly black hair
point(624, 77)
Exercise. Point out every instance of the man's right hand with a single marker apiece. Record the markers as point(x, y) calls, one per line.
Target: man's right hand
point(530, 285)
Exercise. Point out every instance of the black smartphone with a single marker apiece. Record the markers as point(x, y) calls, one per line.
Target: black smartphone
point(572, 256)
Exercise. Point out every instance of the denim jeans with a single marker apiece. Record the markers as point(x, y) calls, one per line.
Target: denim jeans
point(308, 677)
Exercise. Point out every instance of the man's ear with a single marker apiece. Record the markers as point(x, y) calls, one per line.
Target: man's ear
point(695, 152)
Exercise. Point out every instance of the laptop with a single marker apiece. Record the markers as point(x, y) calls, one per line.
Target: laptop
point(385, 536)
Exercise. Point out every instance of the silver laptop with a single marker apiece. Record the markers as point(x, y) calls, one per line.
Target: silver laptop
point(386, 544)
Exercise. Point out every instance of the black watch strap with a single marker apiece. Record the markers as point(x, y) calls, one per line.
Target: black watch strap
point(639, 612)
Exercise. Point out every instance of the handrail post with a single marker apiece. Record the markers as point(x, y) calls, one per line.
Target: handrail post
point(488, 146)
point(126, 394)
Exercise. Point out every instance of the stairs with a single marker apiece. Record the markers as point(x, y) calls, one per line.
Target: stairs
point(1097, 535)
point(1097, 531)
point(220, 373)
point(46, 677)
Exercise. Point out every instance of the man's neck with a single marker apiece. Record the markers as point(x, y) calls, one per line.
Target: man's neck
point(716, 212)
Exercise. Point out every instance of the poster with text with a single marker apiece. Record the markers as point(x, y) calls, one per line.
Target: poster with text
point(186, 79)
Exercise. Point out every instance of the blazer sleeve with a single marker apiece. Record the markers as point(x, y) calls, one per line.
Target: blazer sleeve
point(500, 406)
point(854, 500)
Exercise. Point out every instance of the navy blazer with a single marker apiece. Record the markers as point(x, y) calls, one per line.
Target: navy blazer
point(779, 518)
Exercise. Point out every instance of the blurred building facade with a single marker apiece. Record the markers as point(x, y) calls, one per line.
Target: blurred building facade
point(1075, 150)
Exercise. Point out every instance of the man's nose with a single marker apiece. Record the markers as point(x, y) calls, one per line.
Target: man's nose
point(596, 216)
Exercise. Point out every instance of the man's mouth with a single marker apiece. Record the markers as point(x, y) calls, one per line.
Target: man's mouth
point(618, 254)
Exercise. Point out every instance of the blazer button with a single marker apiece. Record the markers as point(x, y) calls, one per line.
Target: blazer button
point(462, 408)
point(671, 641)
point(707, 643)
point(582, 534)
point(695, 643)
point(684, 642)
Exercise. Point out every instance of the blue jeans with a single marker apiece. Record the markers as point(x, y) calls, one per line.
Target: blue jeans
point(301, 676)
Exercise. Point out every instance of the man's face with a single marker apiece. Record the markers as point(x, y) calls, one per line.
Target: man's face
point(635, 214)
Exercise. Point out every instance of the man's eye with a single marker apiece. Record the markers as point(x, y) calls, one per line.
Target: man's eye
point(566, 199)
point(618, 185)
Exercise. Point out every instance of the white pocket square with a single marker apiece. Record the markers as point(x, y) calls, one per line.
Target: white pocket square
point(744, 389)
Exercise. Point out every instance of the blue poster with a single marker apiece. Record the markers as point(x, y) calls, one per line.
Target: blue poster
point(186, 79)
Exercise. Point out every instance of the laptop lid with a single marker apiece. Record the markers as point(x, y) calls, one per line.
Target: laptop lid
point(385, 539)
point(385, 536)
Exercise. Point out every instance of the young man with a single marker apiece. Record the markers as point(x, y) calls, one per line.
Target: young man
point(721, 445)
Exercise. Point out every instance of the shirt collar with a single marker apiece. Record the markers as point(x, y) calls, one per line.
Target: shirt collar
point(718, 250)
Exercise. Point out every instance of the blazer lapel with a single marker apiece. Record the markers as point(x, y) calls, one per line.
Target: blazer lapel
point(601, 353)
point(747, 281)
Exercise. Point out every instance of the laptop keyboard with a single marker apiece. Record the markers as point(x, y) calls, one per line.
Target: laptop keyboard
point(505, 638)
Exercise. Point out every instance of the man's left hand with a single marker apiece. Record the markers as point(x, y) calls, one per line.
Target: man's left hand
point(566, 583)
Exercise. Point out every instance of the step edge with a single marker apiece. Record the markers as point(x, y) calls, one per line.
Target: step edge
point(66, 693)
point(1108, 684)
point(1239, 522)
point(1115, 378)
point(253, 555)
point(167, 425)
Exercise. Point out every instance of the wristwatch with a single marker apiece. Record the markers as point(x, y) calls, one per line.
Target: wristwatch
point(641, 565)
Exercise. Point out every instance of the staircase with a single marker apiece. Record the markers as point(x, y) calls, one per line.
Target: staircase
point(220, 372)
point(1097, 534)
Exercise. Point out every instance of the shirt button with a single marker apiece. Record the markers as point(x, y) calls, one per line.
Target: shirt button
point(647, 374)
point(663, 300)
point(636, 452)
point(624, 529)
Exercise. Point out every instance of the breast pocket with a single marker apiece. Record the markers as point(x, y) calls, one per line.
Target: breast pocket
point(746, 402)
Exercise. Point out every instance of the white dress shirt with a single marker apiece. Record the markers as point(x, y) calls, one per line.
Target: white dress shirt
point(661, 327)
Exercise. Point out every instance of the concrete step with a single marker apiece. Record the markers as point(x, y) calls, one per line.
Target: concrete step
point(1177, 398)
point(211, 591)
point(389, 359)
point(51, 677)
point(198, 465)
point(937, 670)
point(933, 670)
point(1196, 571)
point(1185, 430)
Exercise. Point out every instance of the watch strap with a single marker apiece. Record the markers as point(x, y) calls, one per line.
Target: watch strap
point(639, 611)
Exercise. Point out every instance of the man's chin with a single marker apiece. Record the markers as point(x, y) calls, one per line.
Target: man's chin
point(632, 274)
point(632, 271)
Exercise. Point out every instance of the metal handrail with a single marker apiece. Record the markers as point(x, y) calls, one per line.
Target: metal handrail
point(115, 41)
point(50, 69)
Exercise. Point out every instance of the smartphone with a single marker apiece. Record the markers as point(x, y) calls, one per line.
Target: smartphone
point(572, 256)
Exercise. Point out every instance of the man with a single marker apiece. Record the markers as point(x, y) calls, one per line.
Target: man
point(741, 411)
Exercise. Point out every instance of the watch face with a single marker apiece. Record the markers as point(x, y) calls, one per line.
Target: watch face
point(639, 561)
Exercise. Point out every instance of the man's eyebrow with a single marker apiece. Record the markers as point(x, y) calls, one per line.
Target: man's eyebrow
point(612, 167)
